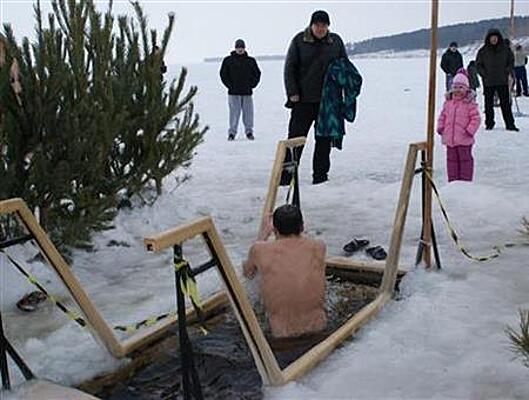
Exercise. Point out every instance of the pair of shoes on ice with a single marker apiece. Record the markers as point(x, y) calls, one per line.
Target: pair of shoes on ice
point(286, 178)
point(249, 136)
point(29, 302)
point(377, 252)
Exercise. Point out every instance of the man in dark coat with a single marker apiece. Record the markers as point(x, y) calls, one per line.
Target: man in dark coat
point(240, 74)
point(495, 63)
point(310, 53)
point(450, 63)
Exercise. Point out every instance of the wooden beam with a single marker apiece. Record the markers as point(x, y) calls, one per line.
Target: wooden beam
point(347, 263)
point(264, 357)
point(11, 205)
point(177, 235)
point(306, 362)
point(427, 223)
point(390, 273)
point(75, 289)
point(275, 176)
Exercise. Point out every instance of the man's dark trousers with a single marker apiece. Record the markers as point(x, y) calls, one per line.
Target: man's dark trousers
point(503, 95)
point(302, 116)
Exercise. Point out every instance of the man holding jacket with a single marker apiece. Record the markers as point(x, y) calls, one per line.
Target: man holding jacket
point(240, 74)
point(309, 55)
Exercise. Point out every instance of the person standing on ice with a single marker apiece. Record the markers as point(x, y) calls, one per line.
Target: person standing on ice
point(457, 124)
point(309, 55)
point(495, 63)
point(451, 61)
point(240, 74)
point(520, 60)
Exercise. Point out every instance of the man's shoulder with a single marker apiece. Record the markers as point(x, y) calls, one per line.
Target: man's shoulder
point(317, 244)
point(335, 37)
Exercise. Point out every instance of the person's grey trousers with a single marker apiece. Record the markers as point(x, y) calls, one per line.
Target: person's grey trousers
point(238, 104)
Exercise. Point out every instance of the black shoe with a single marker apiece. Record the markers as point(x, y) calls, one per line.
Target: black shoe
point(526, 94)
point(319, 179)
point(231, 137)
point(355, 245)
point(377, 252)
point(250, 136)
point(512, 128)
point(489, 127)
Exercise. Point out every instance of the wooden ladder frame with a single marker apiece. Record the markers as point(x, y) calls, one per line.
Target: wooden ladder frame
point(100, 329)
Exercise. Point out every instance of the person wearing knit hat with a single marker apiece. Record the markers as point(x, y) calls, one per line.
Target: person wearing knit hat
point(240, 74)
point(310, 53)
point(451, 61)
point(457, 124)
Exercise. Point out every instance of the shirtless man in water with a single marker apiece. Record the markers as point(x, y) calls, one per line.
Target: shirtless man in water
point(292, 269)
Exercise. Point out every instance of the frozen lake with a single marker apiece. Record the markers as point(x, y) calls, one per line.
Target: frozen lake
point(444, 339)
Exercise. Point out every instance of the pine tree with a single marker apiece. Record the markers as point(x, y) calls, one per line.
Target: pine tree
point(95, 121)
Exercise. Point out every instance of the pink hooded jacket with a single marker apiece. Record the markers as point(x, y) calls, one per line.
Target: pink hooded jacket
point(459, 119)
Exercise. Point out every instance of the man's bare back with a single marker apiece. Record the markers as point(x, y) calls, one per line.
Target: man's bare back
point(292, 283)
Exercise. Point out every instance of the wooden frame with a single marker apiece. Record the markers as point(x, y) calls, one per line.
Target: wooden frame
point(264, 358)
point(275, 177)
point(101, 330)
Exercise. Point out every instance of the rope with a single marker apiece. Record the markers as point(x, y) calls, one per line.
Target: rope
point(77, 318)
point(452, 231)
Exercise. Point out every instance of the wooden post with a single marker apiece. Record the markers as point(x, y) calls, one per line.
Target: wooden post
point(427, 225)
point(512, 32)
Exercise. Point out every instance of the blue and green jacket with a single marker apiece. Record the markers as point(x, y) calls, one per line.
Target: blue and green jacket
point(341, 87)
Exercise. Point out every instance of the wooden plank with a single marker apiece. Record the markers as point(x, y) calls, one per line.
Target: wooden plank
point(155, 332)
point(275, 176)
point(360, 265)
point(273, 184)
point(264, 357)
point(306, 362)
point(430, 130)
point(390, 273)
point(420, 145)
point(75, 289)
point(295, 142)
point(39, 390)
point(11, 205)
point(176, 235)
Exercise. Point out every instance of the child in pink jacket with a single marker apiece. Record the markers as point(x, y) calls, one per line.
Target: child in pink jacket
point(457, 124)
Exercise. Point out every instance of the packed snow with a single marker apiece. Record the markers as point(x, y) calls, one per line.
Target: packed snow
point(443, 338)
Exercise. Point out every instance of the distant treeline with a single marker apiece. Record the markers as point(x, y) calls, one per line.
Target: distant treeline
point(463, 34)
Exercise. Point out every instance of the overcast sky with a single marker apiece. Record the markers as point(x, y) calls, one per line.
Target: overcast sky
point(209, 28)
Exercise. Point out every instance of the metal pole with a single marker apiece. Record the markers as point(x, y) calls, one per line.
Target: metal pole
point(182, 333)
point(512, 32)
point(427, 223)
point(6, 384)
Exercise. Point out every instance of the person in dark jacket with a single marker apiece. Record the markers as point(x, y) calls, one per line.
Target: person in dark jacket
point(473, 77)
point(451, 62)
point(309, 54)
point(520, 60)
point(240, 74)
point(495, 63)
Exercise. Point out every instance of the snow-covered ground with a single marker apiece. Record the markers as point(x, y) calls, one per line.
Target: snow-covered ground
point(445, 337)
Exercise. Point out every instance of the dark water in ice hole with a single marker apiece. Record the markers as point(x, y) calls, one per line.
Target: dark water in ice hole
point(222, 358)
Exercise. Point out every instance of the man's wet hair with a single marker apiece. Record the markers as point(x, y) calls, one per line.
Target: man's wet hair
point(288, 220)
